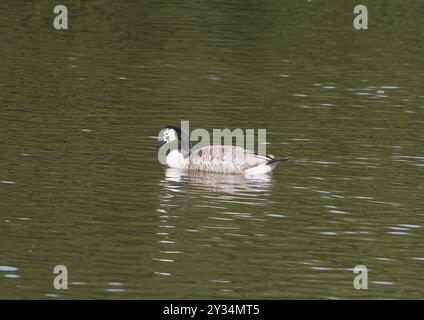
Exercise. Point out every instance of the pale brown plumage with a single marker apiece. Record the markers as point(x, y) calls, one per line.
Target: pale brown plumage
point(225, 159)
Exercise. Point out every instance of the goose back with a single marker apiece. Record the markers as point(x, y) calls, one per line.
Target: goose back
point(225, 159)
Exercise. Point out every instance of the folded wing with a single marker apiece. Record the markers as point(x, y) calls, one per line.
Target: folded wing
point(225, 159)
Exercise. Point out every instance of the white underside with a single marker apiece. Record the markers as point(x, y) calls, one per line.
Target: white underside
point(263, 168)
point(176, 160)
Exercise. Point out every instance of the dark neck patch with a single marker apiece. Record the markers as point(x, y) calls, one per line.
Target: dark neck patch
point(185, 152)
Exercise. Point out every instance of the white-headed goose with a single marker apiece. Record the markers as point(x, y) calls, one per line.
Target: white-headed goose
point(219, 159)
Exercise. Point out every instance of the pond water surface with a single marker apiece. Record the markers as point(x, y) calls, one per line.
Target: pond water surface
point(81, 184)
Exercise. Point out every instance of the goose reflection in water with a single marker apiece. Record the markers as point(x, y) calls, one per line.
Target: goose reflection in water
point(206, 206)
point(178, 180)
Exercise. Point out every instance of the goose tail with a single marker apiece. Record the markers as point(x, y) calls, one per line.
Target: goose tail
point(278, 159)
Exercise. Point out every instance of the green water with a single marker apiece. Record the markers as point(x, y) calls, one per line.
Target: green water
point(81, 184)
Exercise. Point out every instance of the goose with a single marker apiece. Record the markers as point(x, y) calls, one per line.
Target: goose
point(214, 158)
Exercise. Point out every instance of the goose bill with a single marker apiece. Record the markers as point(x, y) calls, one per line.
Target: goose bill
point(160, 144)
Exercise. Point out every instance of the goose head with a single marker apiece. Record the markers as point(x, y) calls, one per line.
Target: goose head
point(168, 134)
point(172, 133)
